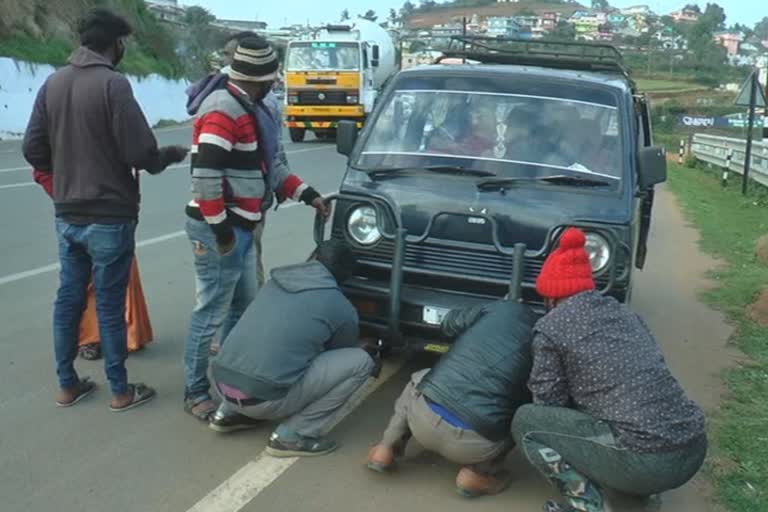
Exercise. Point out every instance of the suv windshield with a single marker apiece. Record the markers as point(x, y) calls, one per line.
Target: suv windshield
point(323, 56)
point(504, 132)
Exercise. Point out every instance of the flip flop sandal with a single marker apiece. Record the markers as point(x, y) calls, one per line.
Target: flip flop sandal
point(141, 395)
point(204, 414)
point(90, 352)
point(85, 388)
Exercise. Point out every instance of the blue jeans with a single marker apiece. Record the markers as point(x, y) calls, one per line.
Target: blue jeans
point(225, 286)
point(106, 251)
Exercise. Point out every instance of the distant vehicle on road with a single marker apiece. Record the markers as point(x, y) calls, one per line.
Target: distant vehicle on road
point(462, 162)
point(336, 74)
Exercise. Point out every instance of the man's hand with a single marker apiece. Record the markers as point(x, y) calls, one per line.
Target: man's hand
point(226, 241)
point(319, 204)
point(173, 154)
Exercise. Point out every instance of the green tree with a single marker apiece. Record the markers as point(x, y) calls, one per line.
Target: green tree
point(393, 18)
point(196, 16)
point(407, 10)
point(707, 54)
point(761, 28)
point(563, 32)
point(693, 8)
point(198, 41)
point(344, 15)
point(370, 15)
point(601, 5)
point(713, 17)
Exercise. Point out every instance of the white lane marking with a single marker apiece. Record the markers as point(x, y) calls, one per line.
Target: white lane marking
point(54, 267)
point(32, 183)
point(249, 481)
point(18, 185)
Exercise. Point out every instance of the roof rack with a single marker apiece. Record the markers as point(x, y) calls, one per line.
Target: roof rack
point(550, 54)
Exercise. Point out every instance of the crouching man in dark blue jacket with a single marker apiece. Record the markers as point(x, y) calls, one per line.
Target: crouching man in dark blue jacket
point(463, 407)
point(294, 356)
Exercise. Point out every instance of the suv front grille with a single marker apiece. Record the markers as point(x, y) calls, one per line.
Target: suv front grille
point(442, 263)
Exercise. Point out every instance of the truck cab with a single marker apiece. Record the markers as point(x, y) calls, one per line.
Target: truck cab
point(466, 175)
point(335, 75)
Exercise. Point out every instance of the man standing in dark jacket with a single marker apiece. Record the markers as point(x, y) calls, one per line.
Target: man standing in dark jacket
point(294, 356)
point(85, 137)
point(463, 407)
point(606, 412)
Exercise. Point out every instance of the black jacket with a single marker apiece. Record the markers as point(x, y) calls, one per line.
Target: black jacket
point(483, 378)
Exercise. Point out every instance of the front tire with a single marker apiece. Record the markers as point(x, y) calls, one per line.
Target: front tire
point(297, 134)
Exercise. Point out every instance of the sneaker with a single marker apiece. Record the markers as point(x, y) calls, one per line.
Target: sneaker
point(232, 422)
point(553, 506)
point(302, 447)
point(471, 484)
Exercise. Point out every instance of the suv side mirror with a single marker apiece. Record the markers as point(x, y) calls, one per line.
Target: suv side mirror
point(346, 136)
point(375, 56)
point(652, 166)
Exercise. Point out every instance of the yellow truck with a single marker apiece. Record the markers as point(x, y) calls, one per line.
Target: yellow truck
point(335, 74)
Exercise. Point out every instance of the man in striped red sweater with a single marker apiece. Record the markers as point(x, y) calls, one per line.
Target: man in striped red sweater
point(234, 182)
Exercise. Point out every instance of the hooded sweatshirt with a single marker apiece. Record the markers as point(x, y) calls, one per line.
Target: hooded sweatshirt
point(268, 118)
point(88, 130)
point(299, 314)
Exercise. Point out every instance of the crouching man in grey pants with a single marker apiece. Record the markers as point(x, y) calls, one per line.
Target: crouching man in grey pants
point(294, 356)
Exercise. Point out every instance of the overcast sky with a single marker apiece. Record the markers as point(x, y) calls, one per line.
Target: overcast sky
point(288, 12)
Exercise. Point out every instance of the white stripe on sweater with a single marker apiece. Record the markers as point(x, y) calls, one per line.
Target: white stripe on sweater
point(299, 190)
point(209, 138)
point(246, 146)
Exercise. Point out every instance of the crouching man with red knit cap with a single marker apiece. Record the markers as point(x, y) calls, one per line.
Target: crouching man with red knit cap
point(607, 414)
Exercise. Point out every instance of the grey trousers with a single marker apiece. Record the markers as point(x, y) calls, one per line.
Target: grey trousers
point(414, 416)
point(309, 406)
point(578, 452)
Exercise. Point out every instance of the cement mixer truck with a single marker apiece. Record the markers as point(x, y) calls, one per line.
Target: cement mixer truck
point(335, 74)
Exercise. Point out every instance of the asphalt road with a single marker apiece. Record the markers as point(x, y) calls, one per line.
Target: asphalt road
point(157, 458)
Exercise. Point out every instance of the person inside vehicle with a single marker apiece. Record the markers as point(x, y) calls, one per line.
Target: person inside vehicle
point(463, 407)
point(294, 356)
point(607, 412)
point(468, 130)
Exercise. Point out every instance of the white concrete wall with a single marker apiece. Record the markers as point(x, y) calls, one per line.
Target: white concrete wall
point(160, 98)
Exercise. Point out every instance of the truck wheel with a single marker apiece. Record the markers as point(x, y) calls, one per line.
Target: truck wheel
point(297, 134)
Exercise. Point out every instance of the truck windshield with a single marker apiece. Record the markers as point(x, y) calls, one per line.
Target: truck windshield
point(323, 56)
point(501, 132)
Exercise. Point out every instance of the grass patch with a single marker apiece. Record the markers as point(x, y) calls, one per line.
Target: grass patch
point(56, 53)
point(655, 85)
point(35, 50)
point(729, 226)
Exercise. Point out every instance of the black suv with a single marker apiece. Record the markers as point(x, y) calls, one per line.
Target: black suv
point(463, 164)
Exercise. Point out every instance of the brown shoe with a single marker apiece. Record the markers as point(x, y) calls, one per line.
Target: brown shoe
point(471, 484)
point(381, 458)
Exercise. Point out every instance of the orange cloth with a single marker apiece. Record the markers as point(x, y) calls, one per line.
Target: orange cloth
point(136, 315)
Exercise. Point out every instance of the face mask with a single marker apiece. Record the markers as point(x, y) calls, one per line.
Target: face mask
point(120, 51)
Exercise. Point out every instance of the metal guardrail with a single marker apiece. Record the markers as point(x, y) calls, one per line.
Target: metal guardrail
point(714, 150)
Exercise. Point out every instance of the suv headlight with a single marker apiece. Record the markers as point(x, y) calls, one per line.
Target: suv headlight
point(598, 250)
point(363, 226)
point(352, 99)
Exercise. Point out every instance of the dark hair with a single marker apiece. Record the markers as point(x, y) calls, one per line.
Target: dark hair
point(337, 257)
point(237, 37)
point(100, 28)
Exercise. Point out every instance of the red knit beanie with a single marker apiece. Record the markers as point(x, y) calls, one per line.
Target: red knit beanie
point(566, 271)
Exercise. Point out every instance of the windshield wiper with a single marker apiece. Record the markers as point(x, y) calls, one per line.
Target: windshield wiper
point(560, 179)
point(443, 169)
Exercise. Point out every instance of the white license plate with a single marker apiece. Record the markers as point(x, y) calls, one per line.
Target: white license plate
point(434, 316)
